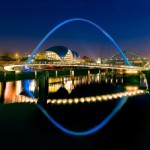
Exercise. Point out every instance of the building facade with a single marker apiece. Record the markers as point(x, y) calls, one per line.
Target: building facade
point(60, 54)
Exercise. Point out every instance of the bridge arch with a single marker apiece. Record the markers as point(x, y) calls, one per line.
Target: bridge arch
point(143, 61)
point(114, 111)
point(127, 52)
point(72, 20)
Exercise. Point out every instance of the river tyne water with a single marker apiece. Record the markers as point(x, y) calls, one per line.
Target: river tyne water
point(72, 101)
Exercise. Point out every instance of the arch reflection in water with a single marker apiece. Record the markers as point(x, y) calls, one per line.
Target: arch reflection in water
point(90, 131)
point(87, 132)
point(82, 80)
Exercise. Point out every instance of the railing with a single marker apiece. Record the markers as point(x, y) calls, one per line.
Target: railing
point(87, 65)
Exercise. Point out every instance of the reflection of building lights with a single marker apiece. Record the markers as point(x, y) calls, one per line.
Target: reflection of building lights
point(131, 71)
point(68, 86)
point(111, 80)
point(18, 87)
point(55, 80)
point(145, 81)
point(0, 89)
point(69, 83)
point(54, 87)
point(116, 80)
point(32, 86)
point(131, 88)
point(9, 94)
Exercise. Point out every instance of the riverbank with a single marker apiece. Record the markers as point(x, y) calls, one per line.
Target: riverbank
point(23, 126)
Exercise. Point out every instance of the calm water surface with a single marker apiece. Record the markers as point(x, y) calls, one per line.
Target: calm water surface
point(68, 87)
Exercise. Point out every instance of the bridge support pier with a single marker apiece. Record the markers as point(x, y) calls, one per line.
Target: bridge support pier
point(43, 86)
point(56, 73)
point(72, 73)
point(35, 74)
point(99, 72)
point(88, 72)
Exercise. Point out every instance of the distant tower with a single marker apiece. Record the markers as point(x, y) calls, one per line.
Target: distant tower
point(99, 60)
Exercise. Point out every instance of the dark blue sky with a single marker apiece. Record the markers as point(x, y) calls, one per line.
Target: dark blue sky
point(24, 23)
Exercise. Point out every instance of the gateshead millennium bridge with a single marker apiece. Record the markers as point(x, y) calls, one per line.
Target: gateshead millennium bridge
point(127, 69)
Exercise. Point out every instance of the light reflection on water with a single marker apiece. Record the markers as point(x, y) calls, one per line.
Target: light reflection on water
point(9, 90)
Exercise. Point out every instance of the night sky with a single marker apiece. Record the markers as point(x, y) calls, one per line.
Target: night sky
point(23, 23)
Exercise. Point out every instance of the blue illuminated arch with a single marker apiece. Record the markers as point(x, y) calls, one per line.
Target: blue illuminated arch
point(71, 20)
point(26, 85)
point(87, 132)
point(114, 111)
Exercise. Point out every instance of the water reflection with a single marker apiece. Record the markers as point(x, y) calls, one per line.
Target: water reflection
point(65, 87)
point(69, 84)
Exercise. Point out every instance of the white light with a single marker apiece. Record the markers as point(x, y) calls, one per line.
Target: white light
point(87, 99)
point(82, 100)
point(59, 101)
point(109, 97)
point(48, 101)
point(99, 98)
point(53, 101)
point(104, 97)
point(64, 101)
point(93, 99)
point(70, 101)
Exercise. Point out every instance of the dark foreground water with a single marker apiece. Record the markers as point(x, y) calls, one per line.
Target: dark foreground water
point(23, 126)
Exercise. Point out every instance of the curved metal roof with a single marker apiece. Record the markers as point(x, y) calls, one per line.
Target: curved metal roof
point(60, 50)
point(75, 54)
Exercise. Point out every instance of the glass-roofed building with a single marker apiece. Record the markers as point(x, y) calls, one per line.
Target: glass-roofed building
point(60, 53)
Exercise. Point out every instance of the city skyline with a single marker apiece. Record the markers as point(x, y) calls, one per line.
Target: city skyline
point(25, 23)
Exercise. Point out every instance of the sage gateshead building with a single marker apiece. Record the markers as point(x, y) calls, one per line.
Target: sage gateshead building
point(61, 54)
